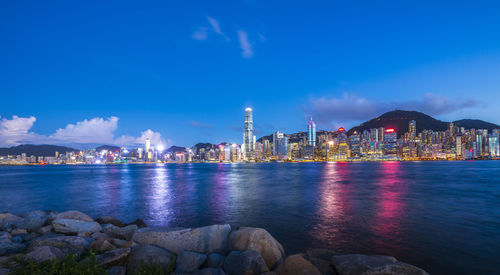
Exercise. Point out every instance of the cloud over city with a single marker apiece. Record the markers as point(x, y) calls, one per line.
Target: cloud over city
point(17, 130)
point(351, 108)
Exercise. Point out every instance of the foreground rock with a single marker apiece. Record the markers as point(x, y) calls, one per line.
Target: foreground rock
point(203, 240)
point(258, 239)
point(210, 250)
point(355, 264)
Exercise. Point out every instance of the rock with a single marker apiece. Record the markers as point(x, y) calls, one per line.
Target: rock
point(5, 236)
point(204, 239)
point(17, 239)
point(35, 220)
point(99, 235)
point(45, 229)
point(117, 270)
point(188, 261)
point(68, 244)
point(122, 243)
point(4, 271)
point(102, 245)
point(74, 215)
point(215, 260)
point(148, 255)
point(245, 262)
point(114, 257)
point(363, 264)
point(44, 253)
point(8, 220)
point(325, 267)
point(75, 226)
point(19, 231)
point(258, 239)
point(139, 222)
point(9, 247)
point(110, 220)
point(321, 253)
point(125, 233)
point(209, 271)
point(297, 265)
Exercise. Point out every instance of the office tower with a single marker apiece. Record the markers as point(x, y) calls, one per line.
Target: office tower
point(412, 129)
point(459, 146)
point(248, 137)
point(311, 133)
point(355, 144)
point(280, 145)
point(148, 145)
point(390, 142)
point(381, 131)
point(494, 145)
point(452, 128)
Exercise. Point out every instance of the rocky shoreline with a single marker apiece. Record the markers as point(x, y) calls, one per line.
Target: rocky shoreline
point(120, 248)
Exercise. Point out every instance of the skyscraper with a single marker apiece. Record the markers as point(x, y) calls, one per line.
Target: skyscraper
point(412, 129)
point(248, 137)
point(311, 133)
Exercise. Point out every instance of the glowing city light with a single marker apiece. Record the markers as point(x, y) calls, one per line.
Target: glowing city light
point(341, 129)
point(160, 148)
point(390, 130)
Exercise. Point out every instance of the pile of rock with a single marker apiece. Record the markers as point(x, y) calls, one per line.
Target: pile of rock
point(216, 249)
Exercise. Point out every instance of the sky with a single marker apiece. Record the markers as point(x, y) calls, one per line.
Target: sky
point(182, 72)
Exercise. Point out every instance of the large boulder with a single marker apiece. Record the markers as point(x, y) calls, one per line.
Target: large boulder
point(139, 222)
point(45, 229)
point(44, 253)
point(247, 262)
point(102, 245)
point(215, 260)
point(110, 220)
point(188, 261)
point(354, 264)
point(8, 247)
point(72, 226)
point(68, 244)
point(125, 233)
point(9, 221)
point(204, 239)
point(297, 265)
point(34, 220)
point(258, 239)
point(209, 271)
point(74, 215)
point(113, 257)
point(117, 270)
point(148, 255)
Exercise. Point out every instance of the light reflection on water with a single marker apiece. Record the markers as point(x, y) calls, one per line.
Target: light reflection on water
point(443, 216)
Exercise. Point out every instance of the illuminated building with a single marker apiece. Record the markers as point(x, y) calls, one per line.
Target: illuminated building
point(493, 145)
point(459, 146)
point(248, 136)
point(311, 133)
point(412, 129)
point(354, 140)
point(280, 145)
point(390, 141)
point(148, 145)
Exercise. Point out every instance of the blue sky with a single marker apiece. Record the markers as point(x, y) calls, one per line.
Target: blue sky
point(109, 71)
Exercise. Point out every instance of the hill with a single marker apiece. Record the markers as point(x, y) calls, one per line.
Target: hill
point(36, 150)
point(108, 147)
point(476, 124)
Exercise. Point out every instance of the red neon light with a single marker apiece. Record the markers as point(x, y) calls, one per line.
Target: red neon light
point(341, 129)
point(390, 130)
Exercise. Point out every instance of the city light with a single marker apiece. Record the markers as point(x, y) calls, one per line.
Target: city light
point(160, 148)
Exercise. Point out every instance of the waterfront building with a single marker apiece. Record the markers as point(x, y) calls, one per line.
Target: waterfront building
point(280, 145)
point(493, 147)
point(355, 144)
point(248, 136)
point(412, 129)
point(390, 141)
point(311, 133)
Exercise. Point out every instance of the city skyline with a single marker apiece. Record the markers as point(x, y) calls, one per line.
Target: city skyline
point(176, 73)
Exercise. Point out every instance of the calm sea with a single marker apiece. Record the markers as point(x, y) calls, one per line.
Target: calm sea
point(441, 216)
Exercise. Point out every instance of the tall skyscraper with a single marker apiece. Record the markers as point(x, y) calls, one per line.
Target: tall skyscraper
point(412, 129)
point(248, 137)
point(311, 132)
point(390, 142)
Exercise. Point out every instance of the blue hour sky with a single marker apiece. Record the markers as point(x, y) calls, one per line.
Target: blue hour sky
point(182, 72)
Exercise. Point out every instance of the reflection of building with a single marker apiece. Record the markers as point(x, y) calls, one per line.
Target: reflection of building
point(248, 137)
point(311, 133)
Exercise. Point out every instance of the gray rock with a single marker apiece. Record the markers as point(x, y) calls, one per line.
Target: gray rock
point(125, 233)
point(114, 257)
point(325, 267)
point(139, 222)
point(204, 239)
point(102, 245)
point(17, 239)
point(75, 226)
point(5, 236)
point(321, 253)
point(4, 271)
point(9, 221)
point(122, 243)
point(245, 263)
point(188, 261)
point(148, 255)
point(258, 239)
point(297, 265)
point(355, 264)
point(99, 235)
point(45, 229)
point(117, 270)
point(215, 260)
point(209, 271)
point(110, 220)
point(35, 220)
point(74, 215)
point(68, 244)
point(9, 247)
point(44, 253)
point(19, 231)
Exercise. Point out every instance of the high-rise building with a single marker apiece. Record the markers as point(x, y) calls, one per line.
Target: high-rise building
point(248, 137)
point(412, 129)
point(280, 145)
point(148, 145)
point(354, 140)
point(494, 145)
point(390, 141)
point(311, 133)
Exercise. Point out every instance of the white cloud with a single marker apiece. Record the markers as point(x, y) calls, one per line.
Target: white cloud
point(200, 34)
point(246, 47)
point(350, 107)
point(98, 130)
point(215, 25)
